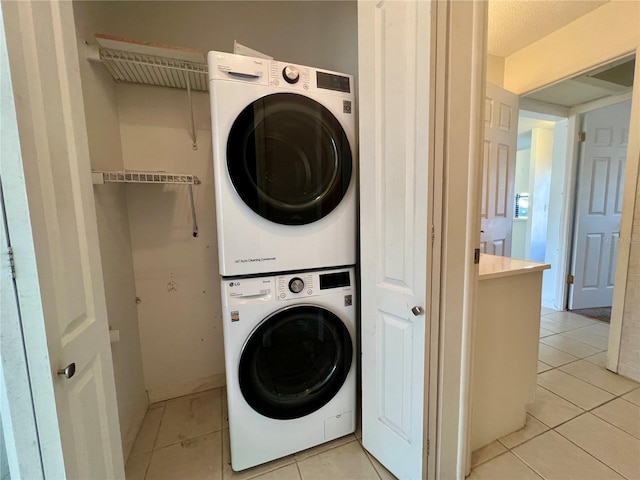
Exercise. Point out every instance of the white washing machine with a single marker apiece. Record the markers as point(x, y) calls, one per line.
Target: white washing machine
point(290, 357)
point(284, 155)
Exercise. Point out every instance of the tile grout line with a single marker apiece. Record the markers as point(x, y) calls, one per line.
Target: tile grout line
point(610, 467)
point(554, 429)
point(593, 384)
point(600, 350)
point(550, 429)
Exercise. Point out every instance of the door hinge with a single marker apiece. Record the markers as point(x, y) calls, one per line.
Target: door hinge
point(12, 263)
point(582, 136)
point(428, 446)
point(476, 256)
point(570, 279)
point(433, 234)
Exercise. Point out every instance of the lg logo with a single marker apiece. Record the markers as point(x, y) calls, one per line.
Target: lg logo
point(234, 284)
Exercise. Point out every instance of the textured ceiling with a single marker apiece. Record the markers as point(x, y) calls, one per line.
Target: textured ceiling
point(514, 24)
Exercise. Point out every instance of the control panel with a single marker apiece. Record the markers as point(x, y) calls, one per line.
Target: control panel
point(260, 71)
point(292, 76)
point(310, 284)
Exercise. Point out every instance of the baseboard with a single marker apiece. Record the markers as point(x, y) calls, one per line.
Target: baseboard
point(132, 432)
point(167, 392)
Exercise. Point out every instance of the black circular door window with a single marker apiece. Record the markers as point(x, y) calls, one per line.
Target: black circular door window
point(289, 159)
point(295, 362)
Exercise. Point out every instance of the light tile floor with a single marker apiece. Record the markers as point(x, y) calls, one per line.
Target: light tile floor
point(585, 421)
point(187, 438)
point(584, 424)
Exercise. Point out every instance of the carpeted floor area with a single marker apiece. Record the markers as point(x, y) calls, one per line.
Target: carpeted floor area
point(600, 313)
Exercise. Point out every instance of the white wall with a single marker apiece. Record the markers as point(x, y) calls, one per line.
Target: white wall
point(495, 70)
point(181, 330)
point(539, 185)
point(318, 33)
point(556, 203)
point(98, 90)
point(519, 239)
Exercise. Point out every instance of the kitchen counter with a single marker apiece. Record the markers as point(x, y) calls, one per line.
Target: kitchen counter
point(492, 266)
point(505, 350)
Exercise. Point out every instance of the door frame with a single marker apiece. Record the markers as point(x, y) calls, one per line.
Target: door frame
point(567, 220)
point(457, 102)
point(23, 377)
point(631, 185)
point(576, 123)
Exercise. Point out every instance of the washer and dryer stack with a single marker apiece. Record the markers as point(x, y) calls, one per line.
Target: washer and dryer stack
point(284, 165)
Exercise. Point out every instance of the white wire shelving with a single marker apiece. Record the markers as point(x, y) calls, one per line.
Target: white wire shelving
point(157, 178)
point(149, 63)
point(139, 176)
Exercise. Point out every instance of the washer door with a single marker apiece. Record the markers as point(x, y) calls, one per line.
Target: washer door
point(289, 159)
point(295, 362)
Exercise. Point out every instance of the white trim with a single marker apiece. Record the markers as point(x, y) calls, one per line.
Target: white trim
point(629, 204)
point(19, 414)
point(435, 173)
point(600, 103)
point(202, 384)
point(567, 221)
point(459, 94)
point(536, 106)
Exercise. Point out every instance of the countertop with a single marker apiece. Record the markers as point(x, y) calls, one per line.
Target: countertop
point(492, 266)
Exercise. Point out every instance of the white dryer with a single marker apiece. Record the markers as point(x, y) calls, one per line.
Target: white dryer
point(284, 155)
point(290, 355)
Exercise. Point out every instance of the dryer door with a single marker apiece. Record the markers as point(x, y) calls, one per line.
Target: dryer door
point(295, 362)
point(289, 159)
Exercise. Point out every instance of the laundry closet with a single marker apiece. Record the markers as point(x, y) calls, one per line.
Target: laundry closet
point(161, 280)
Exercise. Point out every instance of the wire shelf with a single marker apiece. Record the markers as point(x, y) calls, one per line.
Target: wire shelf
point(128, 176)
point(157, 71)
point(158, 178)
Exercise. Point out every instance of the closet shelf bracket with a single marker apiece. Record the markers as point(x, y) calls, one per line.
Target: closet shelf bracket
point(158, 178)
point(194, 139)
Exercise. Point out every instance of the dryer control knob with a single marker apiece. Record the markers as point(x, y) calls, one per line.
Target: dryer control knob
point(291, 74)
point(296, 285)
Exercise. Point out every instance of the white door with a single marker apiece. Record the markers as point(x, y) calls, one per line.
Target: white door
point(599, 205)
point(393, 62)
point(51, 222)
point(498, 170)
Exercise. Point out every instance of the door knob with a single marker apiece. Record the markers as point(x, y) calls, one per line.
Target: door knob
point(417, 311)
point(68, 371)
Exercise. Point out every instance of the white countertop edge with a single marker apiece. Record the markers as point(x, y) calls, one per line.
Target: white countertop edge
point(493, 266)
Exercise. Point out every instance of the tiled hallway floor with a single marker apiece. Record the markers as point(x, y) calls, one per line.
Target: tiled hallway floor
point(585, 421)
point(584, 424)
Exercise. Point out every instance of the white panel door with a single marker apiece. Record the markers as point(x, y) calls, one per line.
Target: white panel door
point(599, 205)
point(393, 57)
point(51, 222)
point(498, 170)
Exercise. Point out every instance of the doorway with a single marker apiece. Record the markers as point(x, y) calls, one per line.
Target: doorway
point(548, 186)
